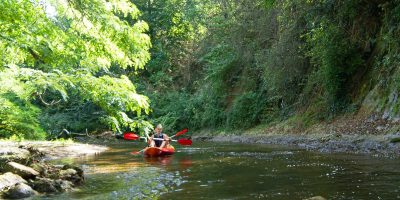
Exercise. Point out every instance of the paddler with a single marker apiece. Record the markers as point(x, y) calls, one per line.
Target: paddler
point(158, 134)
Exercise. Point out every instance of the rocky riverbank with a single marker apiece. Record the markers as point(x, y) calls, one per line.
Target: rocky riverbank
point(345, 135)
point(328, 143)
point(26, 172)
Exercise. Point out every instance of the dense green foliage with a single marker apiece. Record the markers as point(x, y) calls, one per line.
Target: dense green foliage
point(56, 51)
point(266, 61)
point(211, 64)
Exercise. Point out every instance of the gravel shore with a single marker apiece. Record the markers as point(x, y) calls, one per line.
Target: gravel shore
point(375, 145)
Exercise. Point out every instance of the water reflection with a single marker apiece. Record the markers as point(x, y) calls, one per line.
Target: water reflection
point(185, 162)
point(161, 160)
point(182, 162)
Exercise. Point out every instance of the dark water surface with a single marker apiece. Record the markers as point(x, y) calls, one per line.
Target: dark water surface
point(235, 171)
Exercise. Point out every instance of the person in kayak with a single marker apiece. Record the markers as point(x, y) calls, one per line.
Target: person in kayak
point(158, 134)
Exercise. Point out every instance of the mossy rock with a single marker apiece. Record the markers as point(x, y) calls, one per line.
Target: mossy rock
point(13, 155)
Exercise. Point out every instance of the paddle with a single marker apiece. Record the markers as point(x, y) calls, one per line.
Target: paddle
point(180, 133)
point(182, 141)
point(133, 136)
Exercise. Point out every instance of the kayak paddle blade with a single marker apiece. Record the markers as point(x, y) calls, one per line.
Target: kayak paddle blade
point(181, 132)
point(185, 142)
point(130, 136)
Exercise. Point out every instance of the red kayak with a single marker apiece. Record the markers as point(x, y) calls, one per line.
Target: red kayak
point(155, 151)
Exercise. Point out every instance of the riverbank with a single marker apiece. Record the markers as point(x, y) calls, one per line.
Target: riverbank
point(51, 150)
point(25, 171)
point(344, 135)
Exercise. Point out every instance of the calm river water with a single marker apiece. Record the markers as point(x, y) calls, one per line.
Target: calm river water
point(235, 171)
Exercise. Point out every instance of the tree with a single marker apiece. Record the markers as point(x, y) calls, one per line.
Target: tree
point(54, 48)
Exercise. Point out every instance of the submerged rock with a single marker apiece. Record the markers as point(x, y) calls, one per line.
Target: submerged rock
point(19, 191)
point(9, 179)
point(22, 170)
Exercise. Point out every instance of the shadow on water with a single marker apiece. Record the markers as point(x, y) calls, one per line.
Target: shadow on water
point(236, 171)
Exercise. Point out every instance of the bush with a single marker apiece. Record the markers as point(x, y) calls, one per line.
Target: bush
point(246, 111)
point(19, 118)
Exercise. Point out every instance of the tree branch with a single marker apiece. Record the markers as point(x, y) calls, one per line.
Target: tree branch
point(52, 103)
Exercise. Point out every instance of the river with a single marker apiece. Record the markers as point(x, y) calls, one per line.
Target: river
point(234, 171)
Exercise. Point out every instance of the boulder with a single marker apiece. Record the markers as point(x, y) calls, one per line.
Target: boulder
point(19, 191)
point(64, 186)
point(39, 167)
point(9, 179)
point(8, 154)
point(46, 185)
point(76, 168)
point(72, 173)
point(22, 170)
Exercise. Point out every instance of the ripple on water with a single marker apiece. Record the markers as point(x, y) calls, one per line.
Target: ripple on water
point(192, 150)
point(258, 155)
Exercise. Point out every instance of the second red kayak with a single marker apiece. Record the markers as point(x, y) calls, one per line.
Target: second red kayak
point(155, 151)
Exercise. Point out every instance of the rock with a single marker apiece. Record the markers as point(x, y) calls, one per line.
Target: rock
point(9, 179)
point(64, 185)
point(8, 154)
point(22, 170)
point(34, 153)
point(71, 175)
point(68, 172)
point(19, 191)
point(39, 168)
point(315, 198)
point(76, 168)
point(46, 185)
